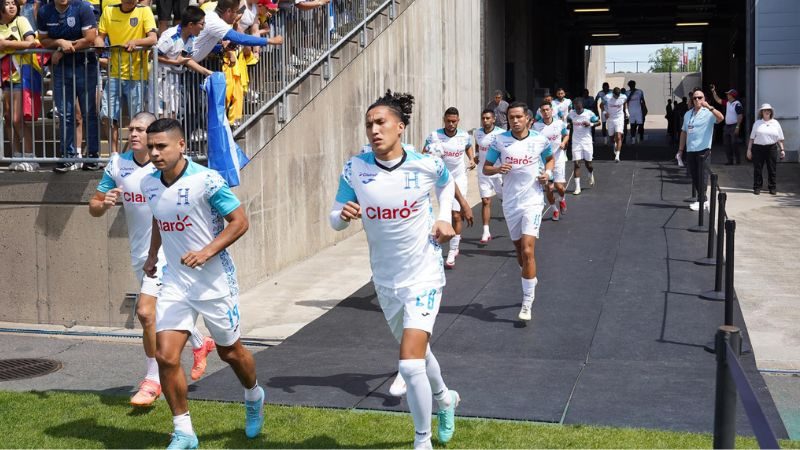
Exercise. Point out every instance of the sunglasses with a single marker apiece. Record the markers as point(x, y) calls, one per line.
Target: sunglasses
point(698, 98)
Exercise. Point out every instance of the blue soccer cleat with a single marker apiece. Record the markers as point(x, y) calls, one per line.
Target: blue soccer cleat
point(183, 440)
point(254, 415)
point(447, 419)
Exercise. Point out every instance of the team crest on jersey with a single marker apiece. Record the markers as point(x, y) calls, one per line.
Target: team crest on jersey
point(70, 22)
point(183, 196)
point(412, 180)
point(134, 21)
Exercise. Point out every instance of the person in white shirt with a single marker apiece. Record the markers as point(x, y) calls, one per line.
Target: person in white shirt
point(734, 117)
point(389, 189)
point(765, 140)
point(489, 186)
point(562, 105)
point(582, 121)
point(600, 100)
point(120, 182)
point(526, 163)
point(555, 131)
point(616, 108)
point(637, 109)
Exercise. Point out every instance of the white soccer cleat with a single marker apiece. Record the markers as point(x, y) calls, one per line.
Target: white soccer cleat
point(616, 156)
point(486, 237)
point(591, 179)
point(577, 191)
point(398, 387)
point(525, 313)
point(694, 206)
point(450, 262)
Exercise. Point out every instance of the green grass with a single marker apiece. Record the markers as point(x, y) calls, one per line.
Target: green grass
point(86, 420)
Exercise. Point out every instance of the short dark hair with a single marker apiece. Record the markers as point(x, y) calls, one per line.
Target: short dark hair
point(545, 103)
point(451, 111)
point(224, 5)
point(605, 85)
point(617, 91)
point(192, 14)
point(164, 125)
point(400, 104)
point(518, 104)
point(487, 111)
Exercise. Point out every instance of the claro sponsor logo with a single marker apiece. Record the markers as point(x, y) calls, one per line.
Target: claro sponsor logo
point(378, 213)
point(133, 197)
point(526, 161)
point(178, 225)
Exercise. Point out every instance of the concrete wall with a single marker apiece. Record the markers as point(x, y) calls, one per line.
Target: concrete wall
point(777, 32)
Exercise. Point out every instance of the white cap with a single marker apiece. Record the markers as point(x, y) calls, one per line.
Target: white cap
point(765, 106)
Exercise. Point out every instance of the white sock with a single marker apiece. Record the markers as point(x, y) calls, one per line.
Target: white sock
point(78, 151)
point(152, 370)
point(454, 243)
point(253, 393)
point(434, 372)
point(183, 423)
point(529, 290)
point(486, 229)
point(196, 338)
point(577, 183)
point(419, 398)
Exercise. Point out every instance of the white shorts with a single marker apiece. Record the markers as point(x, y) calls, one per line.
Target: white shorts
point(559, 172)
point(221, 315)
point(615, 126)
point(461, 182)
point(150, 286)
point(171, 98)
point(409, 307)
point(490, 186)
point(524, 221)
point(582, 151)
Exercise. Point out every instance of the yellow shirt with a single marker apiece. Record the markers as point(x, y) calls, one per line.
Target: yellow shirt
point(122, 28)
point(208, 6)
point(17, 30)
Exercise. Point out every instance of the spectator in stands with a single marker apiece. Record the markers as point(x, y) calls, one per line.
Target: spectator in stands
point(174, 47)
point(253, 22)
point(219, 27)
point(734, 116)
point(129, 27)
point(765, 139)
point(15, 34)
point(500, 108)
point(30, 10)
point(69, 26)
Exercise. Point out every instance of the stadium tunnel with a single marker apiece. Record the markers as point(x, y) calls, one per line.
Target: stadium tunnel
point(534, 47)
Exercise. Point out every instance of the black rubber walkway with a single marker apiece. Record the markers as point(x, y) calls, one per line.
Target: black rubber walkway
point(616, 339)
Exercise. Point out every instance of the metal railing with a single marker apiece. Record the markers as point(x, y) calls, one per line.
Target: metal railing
point(265, 75)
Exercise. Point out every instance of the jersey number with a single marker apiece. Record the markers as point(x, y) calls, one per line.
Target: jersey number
point(431, 296)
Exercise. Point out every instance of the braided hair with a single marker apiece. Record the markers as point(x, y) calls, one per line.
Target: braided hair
point(400, 104)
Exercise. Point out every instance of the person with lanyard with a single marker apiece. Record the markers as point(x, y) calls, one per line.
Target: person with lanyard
point(765, 138)
point(696, 136)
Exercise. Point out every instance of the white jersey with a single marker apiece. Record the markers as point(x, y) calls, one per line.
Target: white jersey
point(367, 148)
point(189, 214)
point(521, 188)
point(124, 172)
point(397, 215)
point(450, 149)
point(483, 141)
point(554, 133)
point(635, 99)
point(171, 45)
point(615, 106)
point(563, 106)
point(581, 132)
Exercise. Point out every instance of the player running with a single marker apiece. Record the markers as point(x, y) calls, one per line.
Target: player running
point(561, 104)
point(555, 130)
point(487, 185)
point(189, 202)
point(121, 180)
point(616, 108)
point(389, 190)
point(521, 152)
point(451, 143)
point(637, 108)
point(583, 121)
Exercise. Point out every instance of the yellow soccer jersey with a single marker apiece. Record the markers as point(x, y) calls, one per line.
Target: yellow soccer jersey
point(123, 27)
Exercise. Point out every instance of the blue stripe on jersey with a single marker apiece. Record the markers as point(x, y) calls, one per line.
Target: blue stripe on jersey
point(107, 183)
point(345, 192)
point(224, 201)
point(548, 151)
point(491, 155)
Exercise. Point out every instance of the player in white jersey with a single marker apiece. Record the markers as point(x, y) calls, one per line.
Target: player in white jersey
point(555, 130)
point(389, 190)
point(120, 181)
point(452, 144)
point(521, 153)
point(616, 107)
point(582, 121)
point(489, 186)
point(190, 205)
point(637, 109)
point(556, 112)
point(561, 104)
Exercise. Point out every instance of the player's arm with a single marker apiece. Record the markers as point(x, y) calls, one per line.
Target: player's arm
point(102, 202)
point(714, 94)
point(466, 211)
point(489, 169)
point(149, 267)
point(237, 226)
point(564, 138)
point(470, 151)
point(549, 165)
point(345, 207)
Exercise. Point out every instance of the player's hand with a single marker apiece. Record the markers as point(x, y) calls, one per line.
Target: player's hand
point(466, 215)
point(112, 197)
point(472, 164)
point(544, 178)
point(477, 159)
point(505, 168)
point(605, 114)
point(275, 40)
point(149, 267)
point(442, 231)
point(587, 124)
point(130, 46)
point(351, 210)
point(195, 259)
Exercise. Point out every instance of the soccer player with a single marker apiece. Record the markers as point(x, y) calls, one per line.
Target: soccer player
point(389, 190)
point(600, 101)
point(521, 153)
point(562, 105)
point(451, 143)
point(487, 185)
point(555, 130)
point(583, 122)
point(121, 180)
point(616, 106)
point(637, 108)
point(189, 202)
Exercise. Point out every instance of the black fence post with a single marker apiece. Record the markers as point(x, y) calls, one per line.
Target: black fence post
point(725, 398)
point(693, 198)
point(730, 232)
point(709, 259)
point(717, 294)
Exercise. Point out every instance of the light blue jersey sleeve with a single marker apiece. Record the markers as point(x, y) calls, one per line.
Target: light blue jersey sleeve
point(593, 118)
point(345, 193)
point(219, 194)
point(442, 174)
point(492, 154)
point(564, 130)
point(107, 183)
point(547, 152)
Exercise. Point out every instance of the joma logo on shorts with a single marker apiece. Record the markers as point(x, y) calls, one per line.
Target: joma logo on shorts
point(378, 213)
point(177, 225)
